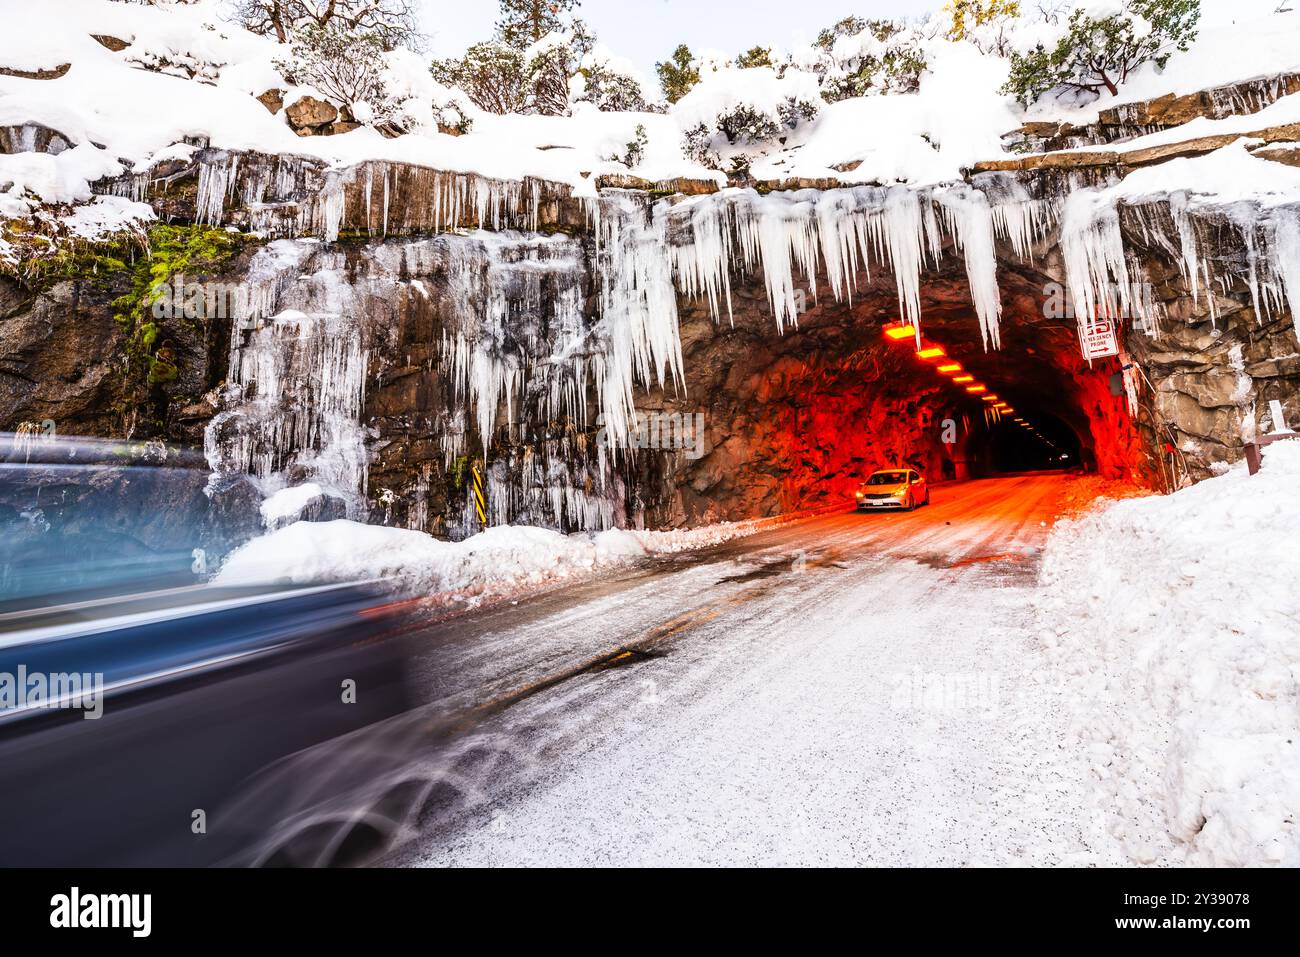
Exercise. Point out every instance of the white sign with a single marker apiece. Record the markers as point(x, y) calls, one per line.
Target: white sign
point(1098, 339)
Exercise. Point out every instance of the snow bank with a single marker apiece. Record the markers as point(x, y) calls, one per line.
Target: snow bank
point(1177, 621)
point(498, 559)
point(955, 119)
point(495, 561)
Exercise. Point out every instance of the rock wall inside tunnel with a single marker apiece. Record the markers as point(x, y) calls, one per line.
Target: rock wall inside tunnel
point(625, 359)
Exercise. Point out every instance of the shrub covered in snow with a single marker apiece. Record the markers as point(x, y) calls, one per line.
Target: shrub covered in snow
point(856, 57)
point(355, 70)
point(492, 75)
point(986, 24)
point(732, 110)
point(1100, 44)
point(608, 83)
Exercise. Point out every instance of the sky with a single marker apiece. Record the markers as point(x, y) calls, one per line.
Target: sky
point(649, 30)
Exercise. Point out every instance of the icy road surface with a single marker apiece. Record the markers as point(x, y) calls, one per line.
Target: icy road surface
point(850, 689)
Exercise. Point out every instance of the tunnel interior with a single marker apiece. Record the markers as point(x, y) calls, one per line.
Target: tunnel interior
point(1013, 444)
point(799, 418)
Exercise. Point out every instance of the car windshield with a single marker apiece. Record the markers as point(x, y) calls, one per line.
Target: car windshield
point(888, 478)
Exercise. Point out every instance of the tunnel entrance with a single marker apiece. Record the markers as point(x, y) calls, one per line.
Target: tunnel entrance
point(800, 418)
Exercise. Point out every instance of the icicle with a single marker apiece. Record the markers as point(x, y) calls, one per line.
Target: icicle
point(1095, 265)
point(972, 222)
point(1286, 257)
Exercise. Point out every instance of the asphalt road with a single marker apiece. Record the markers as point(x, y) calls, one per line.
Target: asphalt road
point(852, 688)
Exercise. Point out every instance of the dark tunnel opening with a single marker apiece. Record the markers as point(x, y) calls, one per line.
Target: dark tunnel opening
point(1030, 443)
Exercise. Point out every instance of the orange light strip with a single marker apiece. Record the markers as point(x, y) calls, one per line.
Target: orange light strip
point(901, 332)
point(930, 352)
point(990, 397)
point(951, 367)
point(963, 378)
point(976, 388)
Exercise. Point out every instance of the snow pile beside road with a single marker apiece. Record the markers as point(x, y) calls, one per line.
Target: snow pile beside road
point(1177, 623)
point(494, 560)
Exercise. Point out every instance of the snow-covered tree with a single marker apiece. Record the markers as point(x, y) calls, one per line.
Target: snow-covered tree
point(1101, 44)
point(986, 24)
point(678, 74)
point(492, 74)
point(552, 63)
point(608, 84)
point(393, 22)
point(755, 56)
point(350, 68)
point(855, 57)
point(525, 22)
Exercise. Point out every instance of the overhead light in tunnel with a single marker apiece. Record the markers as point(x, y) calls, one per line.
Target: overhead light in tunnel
point(963, 378)
point(989, 398)
point(901, 332)
point(950, 367)
point(976, 388)
point(930, 352)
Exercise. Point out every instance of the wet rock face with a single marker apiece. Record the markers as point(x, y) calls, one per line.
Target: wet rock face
point(64, 360)
point(1218, 357)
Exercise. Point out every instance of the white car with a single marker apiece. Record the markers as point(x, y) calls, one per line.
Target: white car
point(893, 488)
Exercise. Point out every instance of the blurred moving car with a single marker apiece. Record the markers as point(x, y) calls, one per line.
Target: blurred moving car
point(139, 706)
point(893, 488)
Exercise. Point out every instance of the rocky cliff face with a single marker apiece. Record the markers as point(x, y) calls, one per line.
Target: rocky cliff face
point(400, 336)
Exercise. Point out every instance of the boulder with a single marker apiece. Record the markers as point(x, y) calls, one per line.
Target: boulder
point(115, 44)
point(272, 99)
point(308, 113)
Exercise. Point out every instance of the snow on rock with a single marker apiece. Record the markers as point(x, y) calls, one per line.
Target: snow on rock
point(954, 120)
point(1177, 623)
point(284, 506)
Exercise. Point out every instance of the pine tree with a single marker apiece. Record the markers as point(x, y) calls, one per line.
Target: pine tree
point(524, 22)
point(678, 74)
point(754, 57)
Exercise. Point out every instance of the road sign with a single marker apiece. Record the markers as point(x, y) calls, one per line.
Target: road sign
point(1098, 339)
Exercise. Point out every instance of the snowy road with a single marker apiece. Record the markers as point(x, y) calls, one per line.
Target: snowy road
point(847, 689)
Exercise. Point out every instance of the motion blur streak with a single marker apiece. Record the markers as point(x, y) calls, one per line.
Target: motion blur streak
point(201, 688)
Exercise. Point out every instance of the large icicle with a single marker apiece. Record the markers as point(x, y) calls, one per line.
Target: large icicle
point(971, 219)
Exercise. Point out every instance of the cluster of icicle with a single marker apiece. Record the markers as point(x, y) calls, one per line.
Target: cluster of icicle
point(289, 197)
point(1105, 279)
point(297, 378)
point(848, 232)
